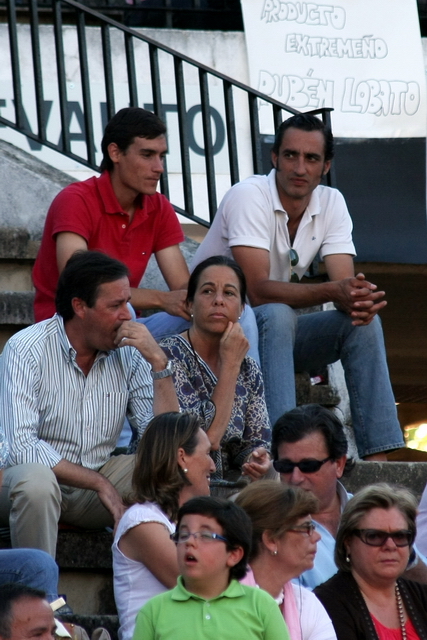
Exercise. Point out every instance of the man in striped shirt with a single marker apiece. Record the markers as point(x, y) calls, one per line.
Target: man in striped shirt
point(67, 384)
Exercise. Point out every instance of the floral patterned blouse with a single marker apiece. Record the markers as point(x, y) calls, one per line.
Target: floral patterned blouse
point(249, 425)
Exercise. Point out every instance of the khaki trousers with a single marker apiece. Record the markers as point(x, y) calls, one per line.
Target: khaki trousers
point(32, 502)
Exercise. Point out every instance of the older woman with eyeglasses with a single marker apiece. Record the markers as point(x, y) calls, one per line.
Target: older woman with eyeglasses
point(367, 599)
point(284, 542)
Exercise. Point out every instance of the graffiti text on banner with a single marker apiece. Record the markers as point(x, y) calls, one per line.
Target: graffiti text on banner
point(304, 13)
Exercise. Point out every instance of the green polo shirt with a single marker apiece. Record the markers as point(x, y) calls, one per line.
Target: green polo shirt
point(240, 612)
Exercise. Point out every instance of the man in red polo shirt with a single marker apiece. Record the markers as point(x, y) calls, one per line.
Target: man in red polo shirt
point(120, 213)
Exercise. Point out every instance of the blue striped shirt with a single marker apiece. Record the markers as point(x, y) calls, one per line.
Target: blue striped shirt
point(3, 449)
point(50, 410)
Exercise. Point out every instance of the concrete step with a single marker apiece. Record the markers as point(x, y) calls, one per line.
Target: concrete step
point(16, 308)
point(412, 475)
point(86, 571)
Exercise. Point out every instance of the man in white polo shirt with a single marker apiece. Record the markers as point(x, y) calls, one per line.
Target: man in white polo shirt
point(274, 226)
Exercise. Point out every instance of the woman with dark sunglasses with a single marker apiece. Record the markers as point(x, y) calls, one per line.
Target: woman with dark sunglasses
point(284, 542)
point(368, 599)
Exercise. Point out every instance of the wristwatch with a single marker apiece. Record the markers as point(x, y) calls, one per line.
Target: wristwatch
point(164, 373)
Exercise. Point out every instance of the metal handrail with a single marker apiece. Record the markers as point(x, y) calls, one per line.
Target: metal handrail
point(232, 89)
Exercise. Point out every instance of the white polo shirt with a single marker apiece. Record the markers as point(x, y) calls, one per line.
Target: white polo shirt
point(252, 215)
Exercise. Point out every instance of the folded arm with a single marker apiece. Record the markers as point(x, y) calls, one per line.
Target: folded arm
point(233, 348)
point(171, 263)
point(175, 272)
point(251, 453)
point(74, 475)
point(352, 294)
point(135, 334)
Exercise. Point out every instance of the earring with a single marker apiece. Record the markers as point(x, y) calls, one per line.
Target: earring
point(347, 558)
point(274, 553)
point(185, 470)
point(239, 317)
point(191, 315)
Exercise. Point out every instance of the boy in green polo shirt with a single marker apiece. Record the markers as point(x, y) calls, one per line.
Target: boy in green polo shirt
point(213, 539)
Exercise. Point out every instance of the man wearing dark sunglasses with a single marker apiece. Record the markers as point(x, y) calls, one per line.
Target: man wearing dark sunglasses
point(274, 226)
point(309, 450)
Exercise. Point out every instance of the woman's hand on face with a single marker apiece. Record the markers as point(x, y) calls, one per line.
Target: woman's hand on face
point(233, 345)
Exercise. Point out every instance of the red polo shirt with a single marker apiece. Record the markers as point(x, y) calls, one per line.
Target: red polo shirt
point(91, 210)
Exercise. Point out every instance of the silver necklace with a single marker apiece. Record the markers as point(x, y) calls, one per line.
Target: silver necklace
point(196, 358)
point(400, 613)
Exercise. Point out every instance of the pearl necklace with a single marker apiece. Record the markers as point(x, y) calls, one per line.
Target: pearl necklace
point(400, 613)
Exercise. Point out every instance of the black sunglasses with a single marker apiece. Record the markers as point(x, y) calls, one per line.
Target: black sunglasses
point(305, 466)
point(377, 537)
point(294, 259)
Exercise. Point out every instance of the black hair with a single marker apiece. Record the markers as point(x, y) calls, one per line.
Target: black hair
point(235, 523)
point(306, 122)
point(306, 419)
point(126, 125)
point(9, 594)
point(216, 261)
point(81, 278)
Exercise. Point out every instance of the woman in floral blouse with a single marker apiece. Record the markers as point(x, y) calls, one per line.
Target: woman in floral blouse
point(213, 376)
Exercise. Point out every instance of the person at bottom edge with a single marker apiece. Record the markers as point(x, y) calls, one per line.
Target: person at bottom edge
point(25, 614)
point(213, 540)
point(368, 599)
point(284, 541)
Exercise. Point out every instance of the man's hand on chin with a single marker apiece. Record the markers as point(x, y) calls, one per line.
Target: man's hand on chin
point(135, 334)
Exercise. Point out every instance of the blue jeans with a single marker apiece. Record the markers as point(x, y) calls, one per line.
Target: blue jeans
point(289, 343)
point(31, 567)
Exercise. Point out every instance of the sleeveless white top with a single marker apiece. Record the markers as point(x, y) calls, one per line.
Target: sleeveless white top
point(134, 584)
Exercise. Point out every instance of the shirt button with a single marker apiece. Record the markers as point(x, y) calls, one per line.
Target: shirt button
point(123, 226)
point(208, 617)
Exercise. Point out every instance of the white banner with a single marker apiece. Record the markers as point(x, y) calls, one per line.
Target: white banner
point(361, 57)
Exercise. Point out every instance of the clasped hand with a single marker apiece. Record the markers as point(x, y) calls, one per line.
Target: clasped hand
point(360, 299)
